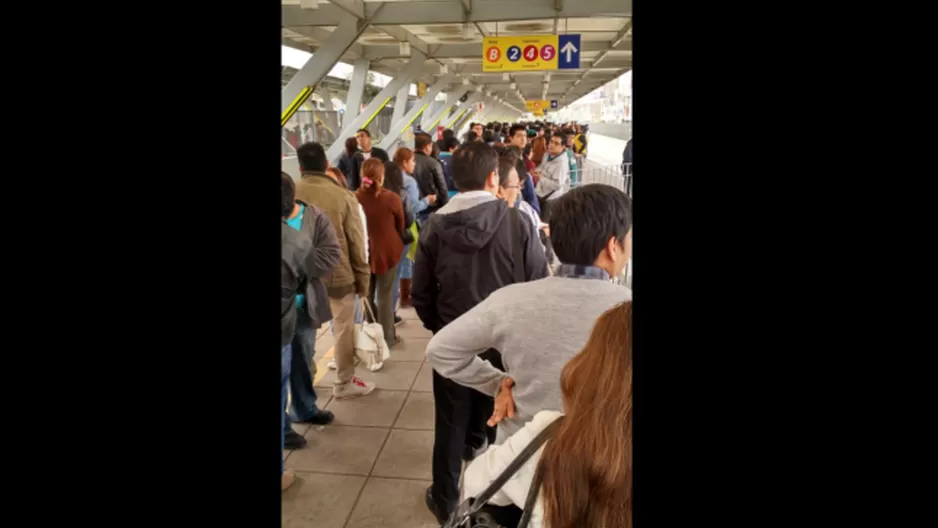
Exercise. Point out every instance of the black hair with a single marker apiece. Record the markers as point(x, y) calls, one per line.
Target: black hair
point(515, 128)
point(393, 177)
point(472, 165)
point(287, 195)
point(449, 133)
point(583, 219)
point(472, 136)
point(507, 160)
point(435, 153)
point(365, 131)
point(421, 140)
point(450, 143)
point(488, 135)
point(312, 157)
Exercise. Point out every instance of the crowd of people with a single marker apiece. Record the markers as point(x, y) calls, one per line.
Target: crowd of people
point(509, 266)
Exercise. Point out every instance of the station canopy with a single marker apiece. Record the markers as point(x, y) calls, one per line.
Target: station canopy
point(451, 32)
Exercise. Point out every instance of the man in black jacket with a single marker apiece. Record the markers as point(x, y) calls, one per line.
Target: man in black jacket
point(365, 151)
point(471, 247)
point(429, 175)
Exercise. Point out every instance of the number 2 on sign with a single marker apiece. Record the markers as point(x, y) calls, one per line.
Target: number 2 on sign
point(514, 53)
point(530, 53)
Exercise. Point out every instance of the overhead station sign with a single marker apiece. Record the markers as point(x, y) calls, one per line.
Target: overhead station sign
point(533, 53)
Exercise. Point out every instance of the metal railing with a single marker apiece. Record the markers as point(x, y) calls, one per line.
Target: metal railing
point(608, 175)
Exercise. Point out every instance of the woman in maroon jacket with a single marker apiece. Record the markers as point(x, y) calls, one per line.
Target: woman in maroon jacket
point(384, 213)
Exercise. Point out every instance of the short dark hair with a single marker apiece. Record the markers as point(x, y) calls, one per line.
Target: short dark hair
point(488, 135)
point(312, 157)
point(450, 143)
point(515, 128)
point(365, 131)
point(472, 136)
point(472, 165)
point(583, 219)
point(287, 195)
point(449, 133)
point(421, 140)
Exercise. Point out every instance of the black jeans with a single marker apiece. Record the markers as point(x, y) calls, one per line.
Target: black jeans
point(461, 416)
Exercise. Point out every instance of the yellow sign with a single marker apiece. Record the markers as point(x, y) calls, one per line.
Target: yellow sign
point(537, 105)
point(539, 113)
point(421, 90)
point(504, 54)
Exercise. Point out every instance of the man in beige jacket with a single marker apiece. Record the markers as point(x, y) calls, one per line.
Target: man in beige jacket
point(351, 275)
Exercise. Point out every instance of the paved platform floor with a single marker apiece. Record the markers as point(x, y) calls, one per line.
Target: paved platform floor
point(371, 467)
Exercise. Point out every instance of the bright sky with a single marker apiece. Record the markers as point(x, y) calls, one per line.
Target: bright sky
point(295, 58)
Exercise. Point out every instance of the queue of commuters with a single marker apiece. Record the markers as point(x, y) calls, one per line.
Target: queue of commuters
point(468, 234)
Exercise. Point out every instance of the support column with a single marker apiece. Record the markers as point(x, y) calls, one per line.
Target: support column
point(400, 107)
point(403, 77)
point(322, 61)
point(398, 126)
point(356, 89)
point(326, 95)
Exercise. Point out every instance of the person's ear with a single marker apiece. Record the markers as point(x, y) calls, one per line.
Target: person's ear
point(493, 179)
point(327, 164)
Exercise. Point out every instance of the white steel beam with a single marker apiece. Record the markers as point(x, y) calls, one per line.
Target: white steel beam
point(467, 51)
point(405, 76)
point(353, 102)
point(323, 60)
point(400, 106)
point(416, 13)
point(398, 126)
point(440, 115)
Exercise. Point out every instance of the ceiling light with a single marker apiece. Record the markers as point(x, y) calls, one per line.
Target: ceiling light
point(513, 86)
point(506, 76)
point(405, 49)
point(309, 4)
point(465, 81)
point(444, 69)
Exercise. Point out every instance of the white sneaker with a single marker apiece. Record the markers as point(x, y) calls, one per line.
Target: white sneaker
point(355, 387)
point(332, 365)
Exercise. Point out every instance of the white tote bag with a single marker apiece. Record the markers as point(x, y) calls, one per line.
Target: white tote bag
point(370, 346)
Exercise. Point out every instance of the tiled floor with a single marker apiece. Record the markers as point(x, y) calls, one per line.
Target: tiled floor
point(372, 466)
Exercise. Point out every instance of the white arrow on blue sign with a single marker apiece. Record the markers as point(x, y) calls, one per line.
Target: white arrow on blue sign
point(568, 52)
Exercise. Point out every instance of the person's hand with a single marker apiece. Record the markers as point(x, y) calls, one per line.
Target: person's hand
point(431, 199)
point(504, 403)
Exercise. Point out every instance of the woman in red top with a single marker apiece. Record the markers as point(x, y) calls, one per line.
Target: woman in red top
point(384, 213)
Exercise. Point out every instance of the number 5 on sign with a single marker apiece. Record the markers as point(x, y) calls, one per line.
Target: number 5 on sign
point(536, 52)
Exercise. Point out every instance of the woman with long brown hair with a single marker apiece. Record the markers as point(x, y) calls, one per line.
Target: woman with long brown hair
point(586, 465)
point(384, 212)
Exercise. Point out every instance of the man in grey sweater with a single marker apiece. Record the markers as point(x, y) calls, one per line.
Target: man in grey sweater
point(538, 326)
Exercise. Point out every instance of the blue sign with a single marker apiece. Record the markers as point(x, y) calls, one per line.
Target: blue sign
point(553, 105)
point(514, 53)
point(568, 52)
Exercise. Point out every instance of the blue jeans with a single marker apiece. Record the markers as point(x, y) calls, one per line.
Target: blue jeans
point(286, 357)
point(405, 270)
point(302, 396)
